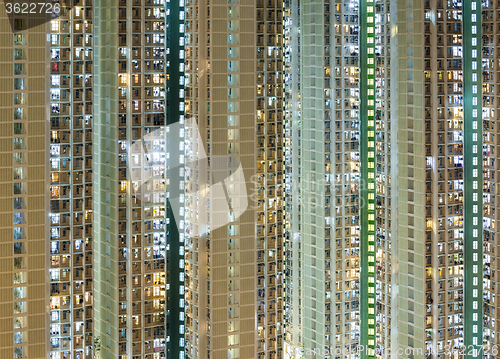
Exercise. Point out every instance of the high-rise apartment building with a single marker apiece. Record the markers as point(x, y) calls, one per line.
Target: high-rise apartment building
point(355, 139)
point(459, 112)
point(24, 181)
point(434, 106)
point(405, 188)
point(362, 128)
point(234, 103)
point(129, 178)
point(70, 212)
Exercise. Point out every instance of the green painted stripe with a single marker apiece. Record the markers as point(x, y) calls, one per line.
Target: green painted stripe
point(473, 175)
point(174, 292)
point(368, 188)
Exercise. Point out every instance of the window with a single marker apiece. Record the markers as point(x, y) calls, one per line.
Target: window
point(232, 25)
point(20, 292)
point(232, 79)
point(19, 218)
point(232, 65)
point(19, 233)
point(232, 39)
point(233, 312)
point(20, 352)
point(19, 39)
point(19, 143)
point(19, 24)
point(19, 54)
point(233, 120)
point(233, 353)
point(19, 173)
point(19, 84)
point(233, 326)
point(232, 52)
point(232, 230)
point(19, 188)
point(19, 158)
point(19, 69)
point(19, 263)
point(19, 248)
point(55, 80)
point(233, 134)
point(233, 339)
point(232, 107)
point(19, 115)
point(19, 203)
point(20, 337)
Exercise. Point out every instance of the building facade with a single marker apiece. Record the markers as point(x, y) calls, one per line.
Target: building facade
point(459, 110)
point(70, 215)
point(362, 227)
point(234, 100)
point(24, 182)
point(354, 210)
point(129, 176)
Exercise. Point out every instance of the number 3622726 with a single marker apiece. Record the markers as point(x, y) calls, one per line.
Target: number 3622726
point(32, 8)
